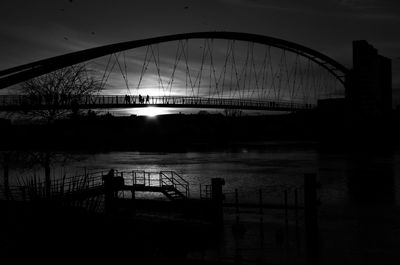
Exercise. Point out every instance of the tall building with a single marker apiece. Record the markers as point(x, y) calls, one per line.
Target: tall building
point(369, 84)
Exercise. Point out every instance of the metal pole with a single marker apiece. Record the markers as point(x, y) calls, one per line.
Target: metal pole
point(237, 204)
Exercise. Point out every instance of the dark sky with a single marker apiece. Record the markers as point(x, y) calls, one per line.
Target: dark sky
point(33, 30)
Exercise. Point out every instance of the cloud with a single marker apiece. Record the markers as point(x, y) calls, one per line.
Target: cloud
point(28, 43)
point(369, 4)
point(287, 5)
point(372, 9)
point(367, 9)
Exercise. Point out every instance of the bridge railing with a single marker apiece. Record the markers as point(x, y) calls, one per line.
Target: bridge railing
point(99, 101)
point(144, 178)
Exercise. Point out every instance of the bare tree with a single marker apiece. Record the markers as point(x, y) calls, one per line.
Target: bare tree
point(67, 86)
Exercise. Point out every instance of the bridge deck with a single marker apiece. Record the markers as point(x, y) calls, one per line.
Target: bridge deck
point(25, 103)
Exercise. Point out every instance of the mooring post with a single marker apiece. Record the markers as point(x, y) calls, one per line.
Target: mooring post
point(217, 197)
point(108, 181)
point(311, 218)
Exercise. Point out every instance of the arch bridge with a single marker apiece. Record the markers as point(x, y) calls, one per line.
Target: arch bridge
point(226, 70)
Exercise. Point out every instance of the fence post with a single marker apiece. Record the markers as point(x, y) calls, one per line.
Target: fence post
point(237, 204)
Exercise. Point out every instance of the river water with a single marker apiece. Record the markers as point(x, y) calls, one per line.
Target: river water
point(359, 193)
point(344, 177)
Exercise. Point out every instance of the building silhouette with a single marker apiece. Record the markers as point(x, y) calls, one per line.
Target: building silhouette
point(369, 83)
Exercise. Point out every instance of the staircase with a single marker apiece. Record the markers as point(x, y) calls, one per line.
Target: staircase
point(169, 183)
point(173, 186)
point(172, 193)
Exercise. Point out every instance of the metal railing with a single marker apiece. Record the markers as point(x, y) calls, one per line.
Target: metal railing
point(145, 178)
point(171, 178)
point(120, 101)
point(65, 186)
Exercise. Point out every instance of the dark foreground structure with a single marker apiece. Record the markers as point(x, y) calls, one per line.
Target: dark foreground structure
point(83, 220)
point(88, 219)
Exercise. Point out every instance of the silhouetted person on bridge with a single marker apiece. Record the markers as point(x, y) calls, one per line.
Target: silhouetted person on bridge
point(127, 99)
point(140, 99)
point(147, 99)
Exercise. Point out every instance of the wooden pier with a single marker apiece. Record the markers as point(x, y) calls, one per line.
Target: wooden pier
point(110, 191)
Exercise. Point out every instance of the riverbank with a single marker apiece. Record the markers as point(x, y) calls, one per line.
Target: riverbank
point(182, 133)
point(48, 233)
point(44, 233)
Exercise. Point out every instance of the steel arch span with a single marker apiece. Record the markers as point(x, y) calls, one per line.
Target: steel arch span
point(15, 75)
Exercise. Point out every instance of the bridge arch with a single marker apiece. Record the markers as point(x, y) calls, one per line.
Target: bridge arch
point(15, 75)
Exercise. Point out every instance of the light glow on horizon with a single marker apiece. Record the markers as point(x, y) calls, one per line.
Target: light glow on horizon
point(151, 111)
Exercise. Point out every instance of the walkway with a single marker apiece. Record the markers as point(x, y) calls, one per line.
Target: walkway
point(24, 103)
